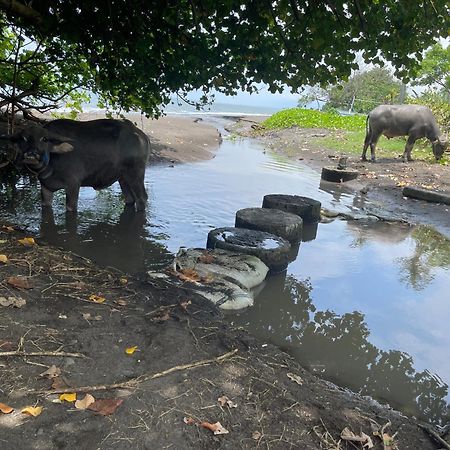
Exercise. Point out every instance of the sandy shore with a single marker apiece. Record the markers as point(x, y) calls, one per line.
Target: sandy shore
point(174, 138)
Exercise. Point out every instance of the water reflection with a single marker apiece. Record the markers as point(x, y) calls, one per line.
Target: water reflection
point(337, 346)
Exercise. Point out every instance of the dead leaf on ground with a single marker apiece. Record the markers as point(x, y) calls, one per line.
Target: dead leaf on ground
point(6, 409)
point(51, 372)
point(123, 281)
point(206, 258)
point(388, 442)
point(216, 428)
point(189, 275)
point(296, 378)
point(161, 317)
point(19, 282)
point(3, 259)
point(131, 350)
point(97, 298)
point(68, 397)
point(14, 302)
point(85, 402)
point(256, 435)
point(363, 438)
point(59, 383)
point(224, 400)
point(121, 302)
point(32, 410)
point(189, 421)
point(7, 228)
point(185, 304)
point(6, 346)
point(27, 241)
point(105, 406)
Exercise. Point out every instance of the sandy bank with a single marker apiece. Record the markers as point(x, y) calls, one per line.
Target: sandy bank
point(174, 138)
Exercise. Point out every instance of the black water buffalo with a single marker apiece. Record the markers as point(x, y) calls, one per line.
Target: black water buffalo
point(66, 154)
point(414, 121)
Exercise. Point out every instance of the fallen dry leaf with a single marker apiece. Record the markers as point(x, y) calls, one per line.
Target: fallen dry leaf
point(97, 298)
point(363, 438)
point(85, 402)
point(105, 406)
point(5, 409)
point(162, 317)
point(121, 302)
point(32, 410)
point(123, 280)
point(7, 228)
point(59, 383)
point(224, 400)
point(388, 442)
point(256, 435)
point(189, 275)
point(68, 397)
point(19, 282)
point(131, 350)
point(15, 302)
point(216, 428)
point(51, 372)
point(296, 378)
point(27, 241)
point(185, 304)
point(189, 421)
point(3, 259)
point(87, 316)
point(206, 258)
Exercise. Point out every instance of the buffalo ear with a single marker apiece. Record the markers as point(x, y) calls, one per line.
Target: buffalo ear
point(63, 147)
point(60, 144)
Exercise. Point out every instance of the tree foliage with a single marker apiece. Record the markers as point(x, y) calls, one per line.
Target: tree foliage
point(139, 52)
point(365, 90)
point(33, 80)
point(435, 69)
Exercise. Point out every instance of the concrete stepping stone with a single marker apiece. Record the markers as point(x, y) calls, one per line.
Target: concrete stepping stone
point(307, 208)
point(225, 278)
point(337, 175)
point(427, 195)
point(274, 251)
point(280, 223)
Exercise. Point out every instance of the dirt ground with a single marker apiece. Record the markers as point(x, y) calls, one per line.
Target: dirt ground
point(379, 185)
point(156, 358)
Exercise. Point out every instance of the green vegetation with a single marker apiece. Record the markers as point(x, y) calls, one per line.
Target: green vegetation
point(308, 118)
point(349, 133)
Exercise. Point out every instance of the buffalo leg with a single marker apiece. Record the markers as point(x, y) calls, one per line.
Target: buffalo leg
point(366, 144)
point(408, 148)
point(135, 180)
point(72, 193)
point(46, 197)
point(127, 192)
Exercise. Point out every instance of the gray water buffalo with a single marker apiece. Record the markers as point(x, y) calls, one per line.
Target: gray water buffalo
point(66, 154)
point(414, 121)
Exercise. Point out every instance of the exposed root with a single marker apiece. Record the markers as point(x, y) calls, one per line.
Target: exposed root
point(27, 354)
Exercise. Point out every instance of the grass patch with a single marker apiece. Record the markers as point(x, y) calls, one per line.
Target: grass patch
point(309, 118)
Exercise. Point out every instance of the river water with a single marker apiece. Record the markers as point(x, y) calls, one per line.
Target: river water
point(364, 305)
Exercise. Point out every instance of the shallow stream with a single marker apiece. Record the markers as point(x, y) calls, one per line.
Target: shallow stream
point(365, 304)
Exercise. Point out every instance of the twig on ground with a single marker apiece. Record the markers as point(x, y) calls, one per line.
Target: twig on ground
point(135, 381)
point(27, 354)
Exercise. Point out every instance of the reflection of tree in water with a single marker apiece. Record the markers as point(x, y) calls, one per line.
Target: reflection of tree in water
point(337, 347)
point(432, 250)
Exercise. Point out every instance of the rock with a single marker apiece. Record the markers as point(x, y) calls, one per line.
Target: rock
point(280, 223)
point(427, 195)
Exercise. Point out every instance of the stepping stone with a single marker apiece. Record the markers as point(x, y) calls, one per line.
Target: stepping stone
point(280, 223)
point(225, 278)
point(307, 208)
point(273, 251)
point(337, 175)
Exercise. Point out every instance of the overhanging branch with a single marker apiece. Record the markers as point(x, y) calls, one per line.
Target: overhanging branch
point(19, 9)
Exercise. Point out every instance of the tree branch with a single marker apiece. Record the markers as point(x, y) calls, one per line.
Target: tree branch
point(19, 9)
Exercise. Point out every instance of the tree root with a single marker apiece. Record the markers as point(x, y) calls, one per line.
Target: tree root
point(26, 354)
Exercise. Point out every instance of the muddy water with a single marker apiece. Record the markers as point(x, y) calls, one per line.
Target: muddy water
point(364, 304)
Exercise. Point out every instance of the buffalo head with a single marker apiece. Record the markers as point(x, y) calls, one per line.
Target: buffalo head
point(439, 146)
point(34, 144)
